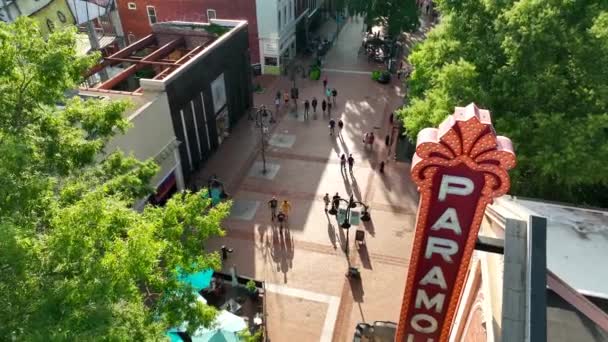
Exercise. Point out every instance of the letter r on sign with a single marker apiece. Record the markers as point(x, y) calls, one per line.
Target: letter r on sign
point(444, 247)
point(465, 186)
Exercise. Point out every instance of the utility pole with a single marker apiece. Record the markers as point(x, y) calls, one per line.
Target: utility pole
point(261, 113)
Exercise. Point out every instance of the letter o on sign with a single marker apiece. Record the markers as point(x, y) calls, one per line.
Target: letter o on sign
point(430, 326)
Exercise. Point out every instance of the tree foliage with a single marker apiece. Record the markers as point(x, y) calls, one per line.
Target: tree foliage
point(76, 262)
point(396, 15)
point(541, 68)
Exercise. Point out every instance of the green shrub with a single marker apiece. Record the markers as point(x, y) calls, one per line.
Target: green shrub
point(315, 74)
point(217, 29)
point(376, 75)
point(246, 336)
point(251, 287)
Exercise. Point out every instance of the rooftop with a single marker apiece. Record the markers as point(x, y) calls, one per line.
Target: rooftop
point(577, 240)
point(156, 58)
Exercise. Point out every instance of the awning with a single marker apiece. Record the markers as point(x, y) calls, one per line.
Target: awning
point(164, 187)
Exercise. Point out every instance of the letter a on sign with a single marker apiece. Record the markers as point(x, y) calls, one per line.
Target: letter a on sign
point(458, 169)
point(449, 220)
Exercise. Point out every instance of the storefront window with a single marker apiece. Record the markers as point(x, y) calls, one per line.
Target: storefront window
point(222, 122)
point(50, 25)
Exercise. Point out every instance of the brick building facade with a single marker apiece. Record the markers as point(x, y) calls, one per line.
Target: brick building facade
point(138, 15)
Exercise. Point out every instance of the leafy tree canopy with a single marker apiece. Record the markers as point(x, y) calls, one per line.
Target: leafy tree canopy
point(76, 262)
point(396, 15)
point(541, 68)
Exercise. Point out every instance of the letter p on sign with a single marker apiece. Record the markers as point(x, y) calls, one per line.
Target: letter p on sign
point(455, 185)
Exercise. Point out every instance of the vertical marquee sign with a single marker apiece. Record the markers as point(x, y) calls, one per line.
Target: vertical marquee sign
point(459, 168)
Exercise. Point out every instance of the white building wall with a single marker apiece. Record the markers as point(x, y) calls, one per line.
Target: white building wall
point(276, 31)
point(151, 134)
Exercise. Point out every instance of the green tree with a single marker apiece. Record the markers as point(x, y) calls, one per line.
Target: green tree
point(541, 68)
point(396, 15)
point(76, 262)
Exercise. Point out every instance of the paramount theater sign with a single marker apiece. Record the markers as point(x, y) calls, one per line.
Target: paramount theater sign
point(459, 168)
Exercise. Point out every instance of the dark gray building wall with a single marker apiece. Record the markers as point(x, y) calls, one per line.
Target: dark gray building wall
point(191, 101)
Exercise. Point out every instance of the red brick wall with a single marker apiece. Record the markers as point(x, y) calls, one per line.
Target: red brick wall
point(136, 22)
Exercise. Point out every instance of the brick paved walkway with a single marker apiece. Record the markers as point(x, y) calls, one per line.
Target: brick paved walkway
point(305, 265)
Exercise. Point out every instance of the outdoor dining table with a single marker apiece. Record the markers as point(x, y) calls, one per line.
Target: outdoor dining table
point(231, 305)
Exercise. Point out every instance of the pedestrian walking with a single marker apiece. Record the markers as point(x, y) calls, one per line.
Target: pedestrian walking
point(277, 104)
point(314, 106)
point(286, 208)
point(328, 95)
point(382, 166)
point(325, 83)
point(326, 200)
point(332, 125)
point(343, 162)
point(368, 140)
point(306, 109)
point(387, 140)
point(340, 125)
point(329, 109)
point(281, 218)
point(335, 202)
point(390, 119)
point(324, 107)
point(399, 72)
point(351, 163)
point(273, 204)
point(334, 93)
point(286, 97)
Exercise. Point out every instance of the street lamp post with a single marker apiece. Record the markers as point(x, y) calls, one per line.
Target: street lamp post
point(350, 204)
point(260, 117)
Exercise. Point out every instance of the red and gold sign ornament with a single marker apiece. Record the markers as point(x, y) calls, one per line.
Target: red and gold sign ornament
point(459, 168)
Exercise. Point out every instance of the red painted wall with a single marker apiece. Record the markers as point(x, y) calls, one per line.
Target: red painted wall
point(136, 22)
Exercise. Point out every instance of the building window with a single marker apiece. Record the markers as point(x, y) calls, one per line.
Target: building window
point(50, 25)
point(285, 14)
point(151, 14)
point(211, 14)
point(279, 20)
point(132, 6)
point(271, 61)
point(292, 9)
point(61, 17)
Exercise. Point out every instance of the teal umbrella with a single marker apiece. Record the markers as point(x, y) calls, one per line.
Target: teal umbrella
point(198, 280)
point(224, 321)
point(174, 337)
point(218, 335)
